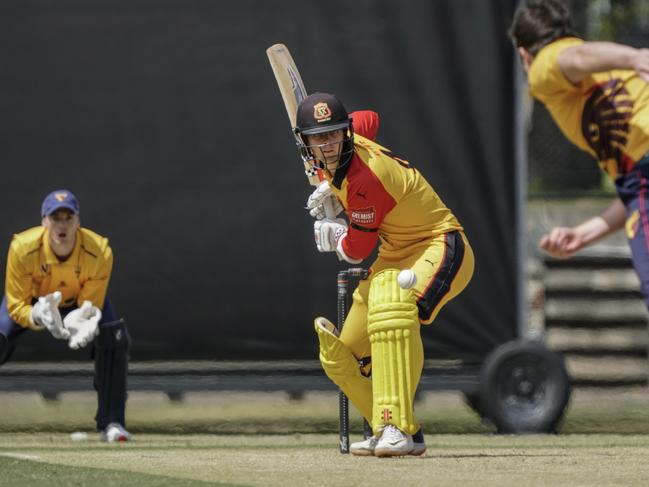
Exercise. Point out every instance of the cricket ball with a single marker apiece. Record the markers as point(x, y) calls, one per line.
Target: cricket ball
point(406, 279)
point(79, 436)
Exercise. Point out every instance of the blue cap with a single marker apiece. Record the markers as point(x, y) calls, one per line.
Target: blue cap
point(56, 200)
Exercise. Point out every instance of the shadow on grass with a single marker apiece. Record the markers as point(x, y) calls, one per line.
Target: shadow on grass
point(16, 473)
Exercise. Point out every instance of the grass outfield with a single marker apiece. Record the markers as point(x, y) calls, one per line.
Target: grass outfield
point(270, 440)
point(591, 411)
point(41, 459)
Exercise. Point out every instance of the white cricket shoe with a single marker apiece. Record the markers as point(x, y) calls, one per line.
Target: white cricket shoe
point(364, 448)
point(115, 432)
point(393, 443)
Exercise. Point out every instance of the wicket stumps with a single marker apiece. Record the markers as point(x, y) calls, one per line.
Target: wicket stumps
point(343, 308)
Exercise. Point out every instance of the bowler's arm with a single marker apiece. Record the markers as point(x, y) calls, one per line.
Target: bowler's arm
point(562, 242)
point(578, 62)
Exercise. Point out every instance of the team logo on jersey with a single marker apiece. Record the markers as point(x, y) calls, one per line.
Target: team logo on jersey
point(364, 216)
point(321, 112)
point(632, 224)
point(60, 196)
point(605, 125)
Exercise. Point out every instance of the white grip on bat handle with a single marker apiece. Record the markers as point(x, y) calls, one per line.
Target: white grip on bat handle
point(330, 211)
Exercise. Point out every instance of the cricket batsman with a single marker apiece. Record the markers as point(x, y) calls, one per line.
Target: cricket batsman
point(57, 280)
point(385, 199)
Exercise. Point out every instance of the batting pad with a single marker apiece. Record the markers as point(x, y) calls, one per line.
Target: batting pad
point(342, 368)
point(397, 352)
point(111, 370)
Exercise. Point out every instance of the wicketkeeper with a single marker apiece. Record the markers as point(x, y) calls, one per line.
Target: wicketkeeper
point(57, 279)
point(386, 199)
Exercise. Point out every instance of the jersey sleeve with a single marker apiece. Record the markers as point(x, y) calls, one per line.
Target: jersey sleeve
point(95, 287)
point(546, 79)
point(365, 123)
point(18, 287)
point(368, 203)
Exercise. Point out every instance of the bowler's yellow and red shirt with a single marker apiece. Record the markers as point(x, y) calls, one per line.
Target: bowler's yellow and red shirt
point(386, 198)
point(33, 270)
point(605, 114)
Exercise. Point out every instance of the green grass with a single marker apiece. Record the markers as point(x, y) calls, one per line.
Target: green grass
point(591, 411)
point(17, 472)
point(270, 440)
point(238, 413)
point(312, 460)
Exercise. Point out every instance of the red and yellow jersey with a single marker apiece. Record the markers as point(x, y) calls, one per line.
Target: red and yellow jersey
point(33, 270)
point(385, 197)
point(606, 114)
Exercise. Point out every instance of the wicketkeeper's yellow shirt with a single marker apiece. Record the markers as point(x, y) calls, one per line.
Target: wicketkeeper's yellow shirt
point(33, 270)
point(605, 114)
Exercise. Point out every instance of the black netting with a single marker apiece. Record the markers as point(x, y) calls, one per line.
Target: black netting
point(165, 119)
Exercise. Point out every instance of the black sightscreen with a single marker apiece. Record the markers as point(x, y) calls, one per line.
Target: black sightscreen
point(164, 118)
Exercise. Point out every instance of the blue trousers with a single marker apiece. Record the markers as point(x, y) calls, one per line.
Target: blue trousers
point(633, 189)
point(110, 353)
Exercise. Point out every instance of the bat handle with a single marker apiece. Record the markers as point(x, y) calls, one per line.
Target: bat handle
point(329, 209)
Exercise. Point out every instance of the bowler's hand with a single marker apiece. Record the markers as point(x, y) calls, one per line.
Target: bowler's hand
point(561, 242)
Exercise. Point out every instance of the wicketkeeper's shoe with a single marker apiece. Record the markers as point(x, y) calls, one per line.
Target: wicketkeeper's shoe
point(115, 432)
point(393, 443)
point(418, 444)
point(364, 448)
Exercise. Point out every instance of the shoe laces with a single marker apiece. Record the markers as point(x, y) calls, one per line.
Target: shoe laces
point(392, 434)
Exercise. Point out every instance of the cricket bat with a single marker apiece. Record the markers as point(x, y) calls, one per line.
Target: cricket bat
point(293, 92)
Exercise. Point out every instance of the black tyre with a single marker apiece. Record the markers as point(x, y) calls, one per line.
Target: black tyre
point(524, 388)
point(474, 401)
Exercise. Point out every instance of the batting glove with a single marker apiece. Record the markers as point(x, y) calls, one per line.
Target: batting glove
point(328, 232)
point(45, 314)
point(83, 324)
point(322, 203)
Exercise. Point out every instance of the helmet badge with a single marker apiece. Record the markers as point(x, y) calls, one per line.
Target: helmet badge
point(321, 112)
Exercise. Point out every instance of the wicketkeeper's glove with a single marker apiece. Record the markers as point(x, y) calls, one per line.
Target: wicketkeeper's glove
point(45, 314)
point(83, 324)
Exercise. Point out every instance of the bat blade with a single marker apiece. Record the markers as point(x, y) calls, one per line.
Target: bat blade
point(288, 79)
point(292, 88)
